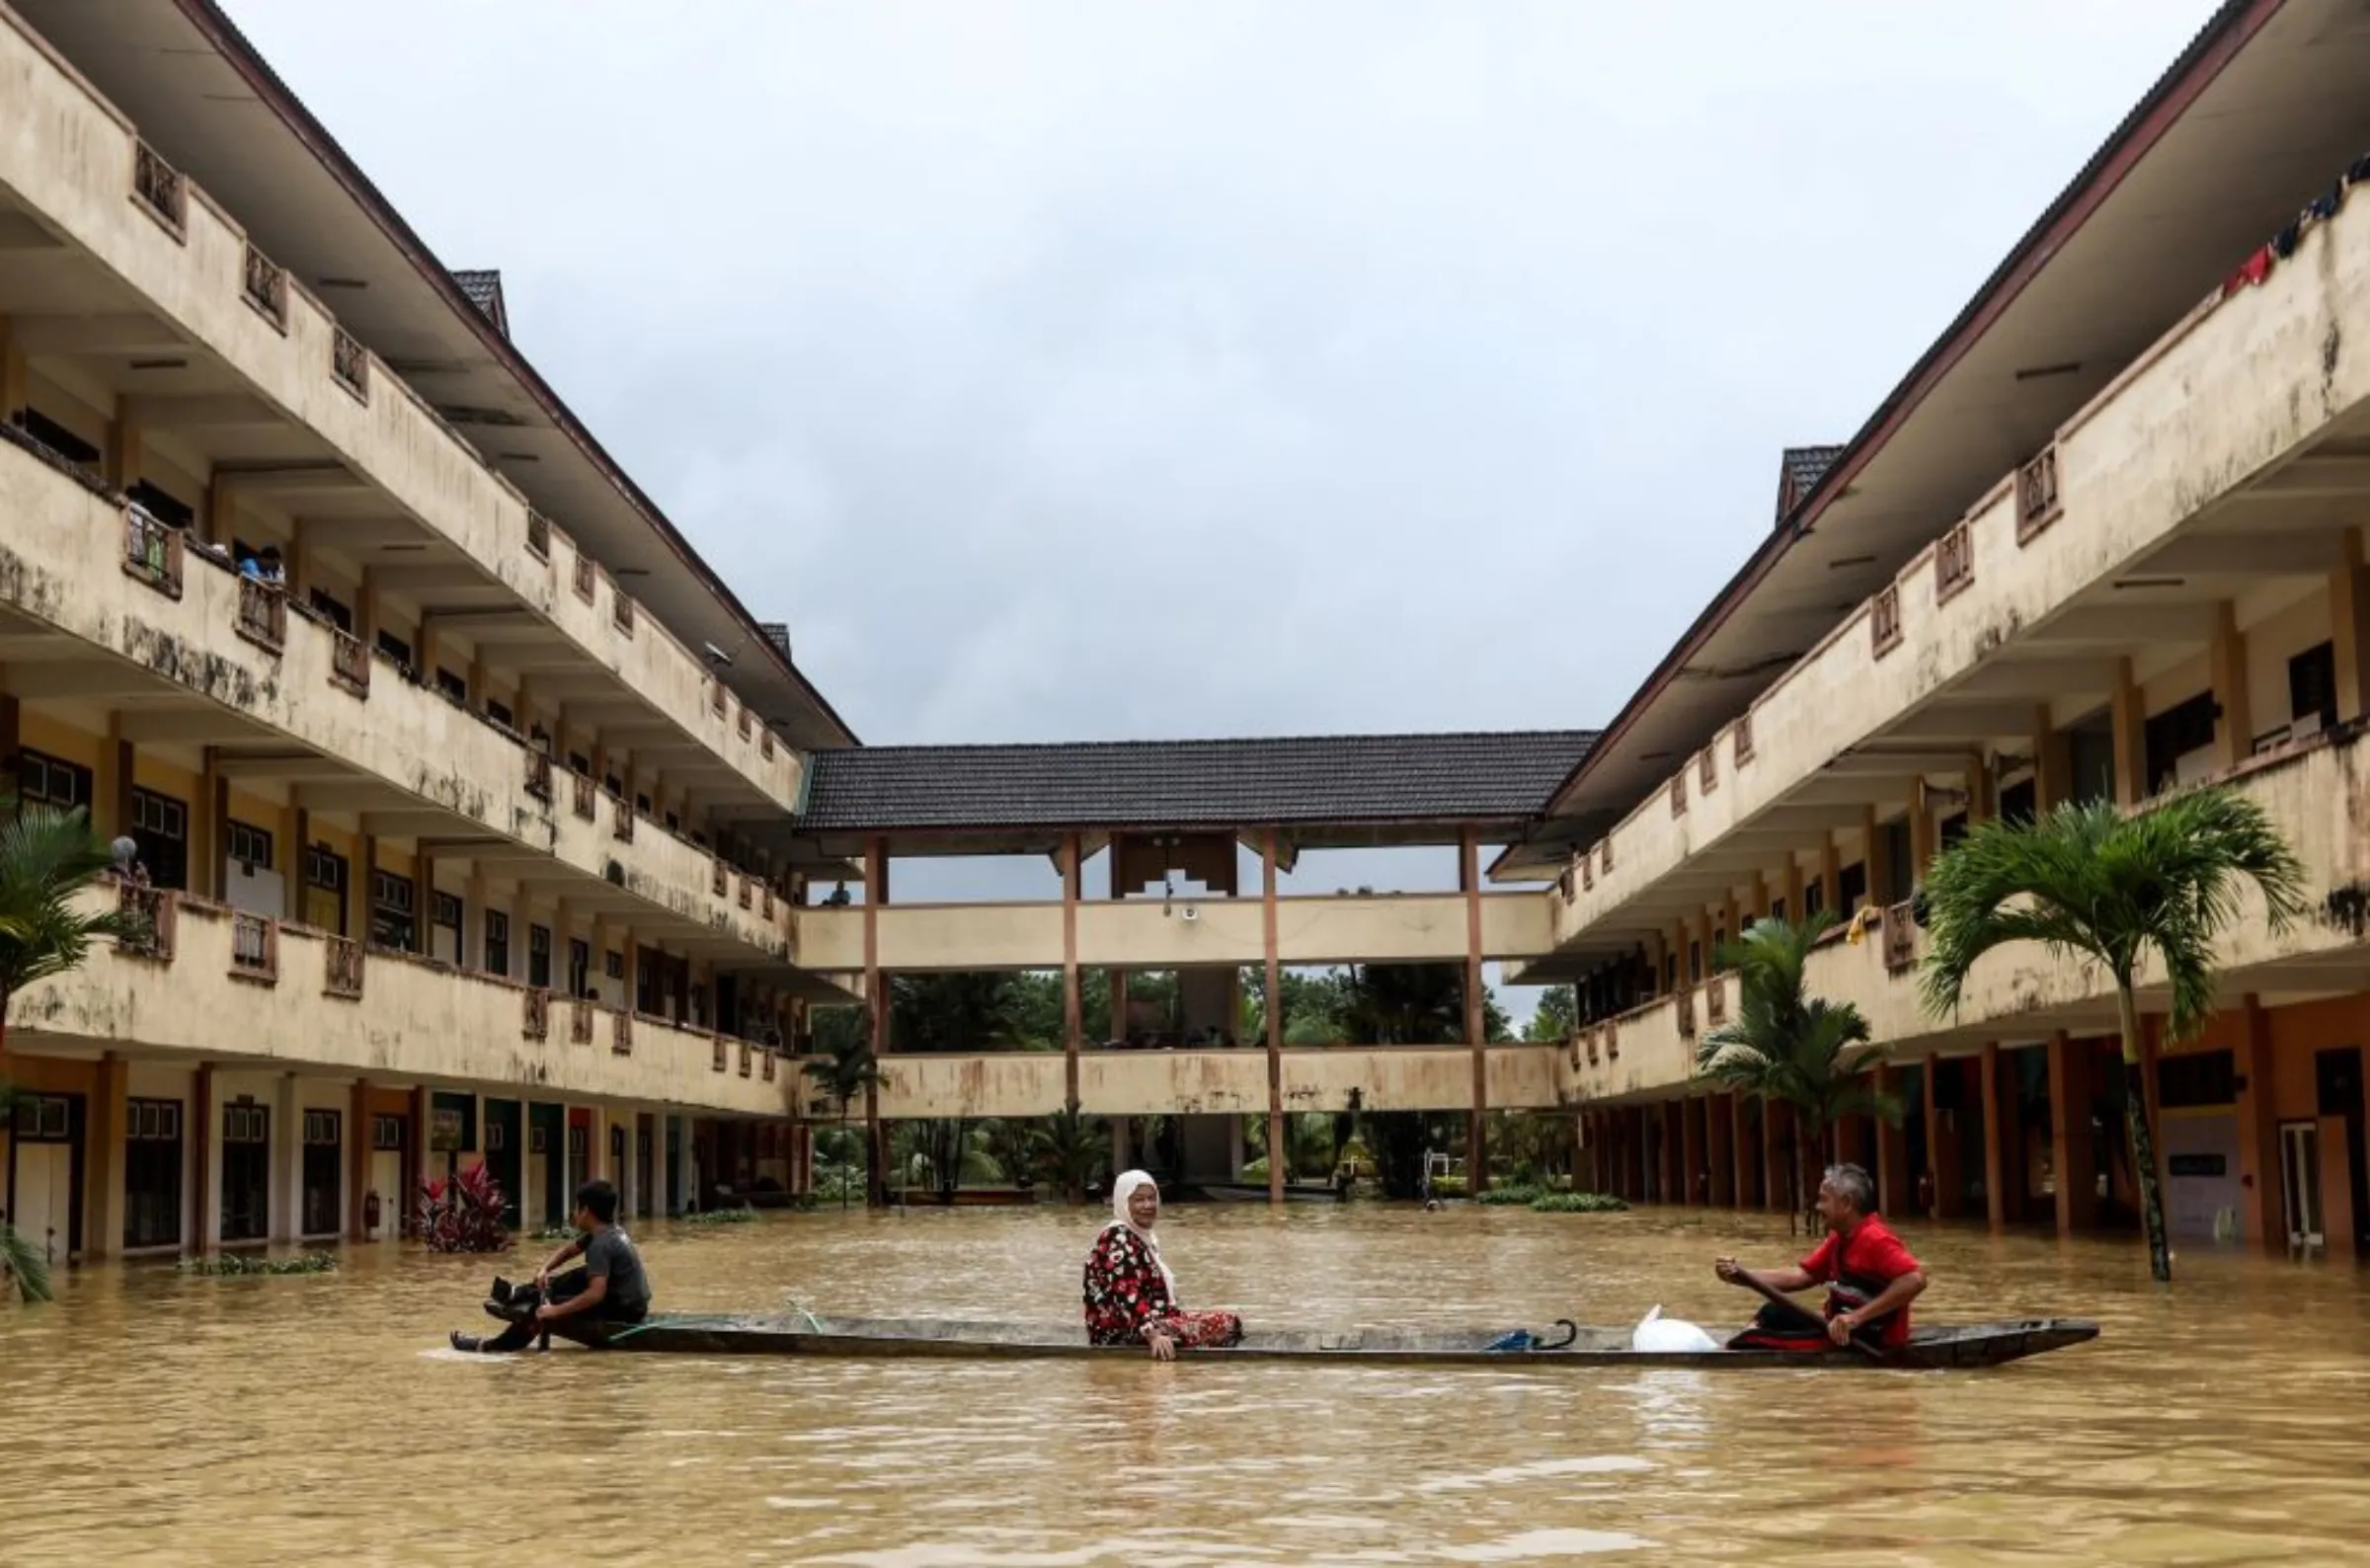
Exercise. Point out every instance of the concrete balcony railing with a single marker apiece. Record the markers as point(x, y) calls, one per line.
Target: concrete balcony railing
point(203, 991)
point(2019, 994)
point(2240, 383)
point(67, 565)
point(1219, 1083)
point(92, 177)
point(1409, 928)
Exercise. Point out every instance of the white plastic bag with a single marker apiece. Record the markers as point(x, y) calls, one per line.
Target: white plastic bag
point(1668, 1336)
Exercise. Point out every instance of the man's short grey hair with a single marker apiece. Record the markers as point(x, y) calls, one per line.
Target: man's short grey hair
point(1854, 1186)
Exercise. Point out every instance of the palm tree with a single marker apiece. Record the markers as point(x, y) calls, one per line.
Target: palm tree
point(2089, 883)
point(1788, 1047)
point(47, 859)
point(1070, 1145)
point(846, 1069)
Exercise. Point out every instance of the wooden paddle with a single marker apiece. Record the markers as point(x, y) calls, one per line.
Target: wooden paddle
point(1811, 1319)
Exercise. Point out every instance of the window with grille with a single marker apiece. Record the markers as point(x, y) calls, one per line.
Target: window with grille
point(325, 889)
point(393, 921)
point(160, 826)
point(53, 781)
point(580, 966)
point(386, 1133)
point(498, 942)
point(151, 1173)
point(248, 847)
point(538, 955)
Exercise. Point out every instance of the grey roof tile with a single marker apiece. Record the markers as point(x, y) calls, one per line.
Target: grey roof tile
point(1348, 778)
point(484, 289)
point(1799, 472)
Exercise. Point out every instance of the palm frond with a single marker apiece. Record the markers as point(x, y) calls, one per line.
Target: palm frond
point(26, 1265)
point(47, 859)
point(2088, 882)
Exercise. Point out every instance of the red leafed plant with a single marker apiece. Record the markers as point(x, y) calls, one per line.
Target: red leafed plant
point(462, 1214)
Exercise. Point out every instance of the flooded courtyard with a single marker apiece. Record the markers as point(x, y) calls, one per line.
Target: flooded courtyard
point(166, 1420)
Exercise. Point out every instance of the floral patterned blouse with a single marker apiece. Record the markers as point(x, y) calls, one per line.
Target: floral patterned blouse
point(1125, 1289)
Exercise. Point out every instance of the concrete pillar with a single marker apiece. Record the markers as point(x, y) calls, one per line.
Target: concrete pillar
point(1074, 1027)
point(876, 997)
point(2349, 628)
point(1477, 1037)
point(1793, 887)
point(2071, 1159)
point(358, 1159)
point(1921, 832)
point(288, 1160)
point(1720, 1149)
point(2129, 715)
point(1273, 1010)
point(1995, 1142)
point(1776, 1123)
point(1694, 1186)
point(14, 380)
point(2263, 1210)
point(122, 456)
point(1892, 1148)
point(1878, 856)
point(1945, 1160)
point(103, 1160)
point(2053, 763)
point(2234, 730)
point(205, 1134)
point(1123, 1156)
point(1743, 1150)
point(629, 1179)
point(1831, 875)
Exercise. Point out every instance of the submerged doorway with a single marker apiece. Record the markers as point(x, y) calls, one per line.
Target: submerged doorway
point(2337, 1082)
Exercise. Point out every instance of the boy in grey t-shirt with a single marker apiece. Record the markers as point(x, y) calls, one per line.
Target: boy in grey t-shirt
point(612, 1282)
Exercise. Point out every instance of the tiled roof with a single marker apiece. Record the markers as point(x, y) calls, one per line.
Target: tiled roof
point(1346, 778)
point(1799, 473)
point(484, 289)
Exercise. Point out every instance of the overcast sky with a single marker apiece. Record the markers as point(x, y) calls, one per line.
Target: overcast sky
point(1103, 370)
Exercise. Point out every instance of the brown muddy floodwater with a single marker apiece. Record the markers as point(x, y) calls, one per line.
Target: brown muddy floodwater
point(155, 1419)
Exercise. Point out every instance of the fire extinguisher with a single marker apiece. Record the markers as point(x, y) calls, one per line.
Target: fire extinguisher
point(370, 1211)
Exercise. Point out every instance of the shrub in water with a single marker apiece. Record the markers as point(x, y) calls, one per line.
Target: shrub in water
point(722, 1216)
point(233, 1263)
point(1577, 1203)
point(1510, 1195)
point(462, 1214)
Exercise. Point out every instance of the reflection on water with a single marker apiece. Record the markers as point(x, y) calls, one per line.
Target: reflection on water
point(158, 1419)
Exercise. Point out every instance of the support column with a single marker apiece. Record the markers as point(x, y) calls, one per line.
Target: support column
point(1476, 1036)
point(1831, 875)
point(2226, 657)
point(2262, 1212)
point(1273, 1013)
point(2053, 763)
point(416, 1156)
point(1693, 1183)
point(1876, 857)
point(2128, 714)
point(2069, 1153)
point(14, 380)
point(357, 1160)
point(205, 1204)
point(876, 1001)
point(1721, 1145)
point(1944, 1157)
point(1074, 1029)
point(1742, 1152)
point(1776, 1121)
point(1995, 1148)
point(1921, 832)
point(2349, 628)
point(103, 1161)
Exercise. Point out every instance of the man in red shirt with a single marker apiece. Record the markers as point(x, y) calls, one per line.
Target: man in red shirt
point(1870, 1277)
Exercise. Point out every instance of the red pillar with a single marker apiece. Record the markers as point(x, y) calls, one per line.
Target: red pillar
point(1994, 1147)
point(2261, 1210)
point(2070, 1159)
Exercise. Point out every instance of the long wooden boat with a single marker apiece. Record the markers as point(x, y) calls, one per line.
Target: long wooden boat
point(1972, 1345)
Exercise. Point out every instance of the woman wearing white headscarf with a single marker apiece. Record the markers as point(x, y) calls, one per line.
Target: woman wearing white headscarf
point(1131, 1295)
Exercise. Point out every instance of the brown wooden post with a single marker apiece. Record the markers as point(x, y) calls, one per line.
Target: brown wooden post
point(1074, 1026)
point(1274, 1010)
point(1777, 1120)
point(1477, 1143)
point(2261, 1207)
point(1995, 1153)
